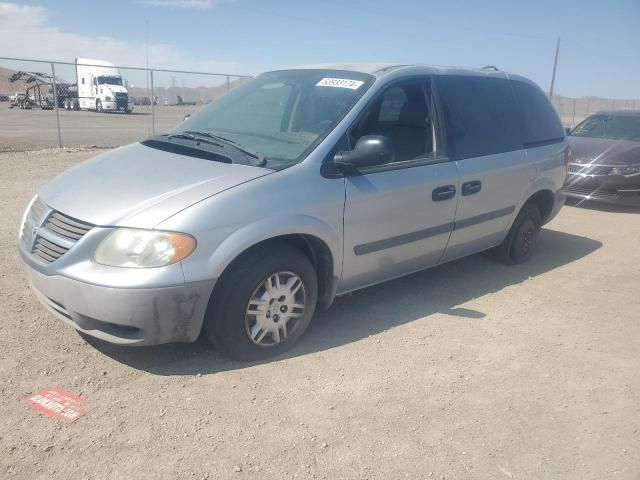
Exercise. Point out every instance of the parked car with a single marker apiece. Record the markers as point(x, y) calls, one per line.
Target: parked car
point(606, 164)
point(293, 188)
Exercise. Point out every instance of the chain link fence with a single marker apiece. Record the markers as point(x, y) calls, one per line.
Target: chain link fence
point(574, 110)
point(93, 103)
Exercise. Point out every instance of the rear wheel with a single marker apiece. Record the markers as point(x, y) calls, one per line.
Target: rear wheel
point(263, 304)
point(520, 242)
point(98, 106)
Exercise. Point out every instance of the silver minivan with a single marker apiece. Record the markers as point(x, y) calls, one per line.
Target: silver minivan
point(293, 188)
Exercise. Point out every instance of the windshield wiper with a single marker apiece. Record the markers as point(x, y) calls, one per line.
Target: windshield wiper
point(191, 136)
point(261, 161)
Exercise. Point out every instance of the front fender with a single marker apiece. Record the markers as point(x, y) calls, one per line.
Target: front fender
point(254, 233)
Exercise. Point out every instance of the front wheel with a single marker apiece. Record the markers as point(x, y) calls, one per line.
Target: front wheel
point(263, 304)
point(520, 242)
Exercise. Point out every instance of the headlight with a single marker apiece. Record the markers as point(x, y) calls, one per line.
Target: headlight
point(128, 247)
point(630, 170)
point(107, 98)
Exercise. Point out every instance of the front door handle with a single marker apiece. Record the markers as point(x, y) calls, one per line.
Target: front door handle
point(443, 193)
point(469, 188)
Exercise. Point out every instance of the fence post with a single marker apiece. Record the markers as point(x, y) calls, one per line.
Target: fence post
point(228, 84)
point(153, 109)
point(573, 118)
point(55, 102)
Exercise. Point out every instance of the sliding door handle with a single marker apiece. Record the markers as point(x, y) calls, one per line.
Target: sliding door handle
point(469, 188)
point(443, 193)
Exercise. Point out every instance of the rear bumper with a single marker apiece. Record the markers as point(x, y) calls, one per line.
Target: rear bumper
point(615, 190)
point(124, 316)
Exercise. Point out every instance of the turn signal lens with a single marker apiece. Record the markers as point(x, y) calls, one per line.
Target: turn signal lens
point(568, 156)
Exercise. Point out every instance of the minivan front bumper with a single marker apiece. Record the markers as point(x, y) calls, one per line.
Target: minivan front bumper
point(124, 316)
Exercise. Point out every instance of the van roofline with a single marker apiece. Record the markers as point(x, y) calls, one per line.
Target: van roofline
point(382, 69)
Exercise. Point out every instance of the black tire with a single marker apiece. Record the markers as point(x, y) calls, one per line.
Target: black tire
point(519, 245)
point(98, 106)
point(226, 321)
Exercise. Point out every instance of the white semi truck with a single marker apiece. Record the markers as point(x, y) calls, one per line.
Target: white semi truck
point(100, 87)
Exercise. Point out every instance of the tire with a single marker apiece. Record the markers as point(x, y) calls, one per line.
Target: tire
point(520, 243)
point(230, 322)
point(98, 106)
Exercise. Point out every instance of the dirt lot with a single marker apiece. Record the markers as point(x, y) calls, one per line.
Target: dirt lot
point(471, 370)
point(34, 129)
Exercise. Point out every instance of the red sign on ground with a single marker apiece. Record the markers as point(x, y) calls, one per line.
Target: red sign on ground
point(56, 403)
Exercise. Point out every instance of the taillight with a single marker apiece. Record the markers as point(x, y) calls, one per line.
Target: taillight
point(568, 157)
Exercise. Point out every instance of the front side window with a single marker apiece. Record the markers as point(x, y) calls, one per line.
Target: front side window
point(403, 114)
point(481, 115)
point(620, 127)
point(281, 115)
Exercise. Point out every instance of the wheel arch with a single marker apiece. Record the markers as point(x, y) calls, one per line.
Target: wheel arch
point(542, 194)
point(316, 239)
point(543, 199)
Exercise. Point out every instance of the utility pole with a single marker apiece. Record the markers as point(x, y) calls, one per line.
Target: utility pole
point(555, 67)
point(146, 42)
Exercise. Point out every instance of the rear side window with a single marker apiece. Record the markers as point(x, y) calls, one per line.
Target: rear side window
point(540, 122)
point(481, 116)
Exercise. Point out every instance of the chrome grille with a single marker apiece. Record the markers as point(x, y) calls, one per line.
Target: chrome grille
point(48, 251)
point(591, 192)
point(32, 219)
point(55, 233)
point(589, 169)
point(67, 226)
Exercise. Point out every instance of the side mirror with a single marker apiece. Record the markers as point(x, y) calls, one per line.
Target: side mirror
point(369, 151)
point(567, 130)
point(186, 117)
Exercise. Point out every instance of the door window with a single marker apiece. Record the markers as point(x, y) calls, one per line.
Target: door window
point(401, 113)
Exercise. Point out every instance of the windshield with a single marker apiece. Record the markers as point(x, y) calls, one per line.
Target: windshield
point(109, 80)
point(625, 127)
point(281, 115)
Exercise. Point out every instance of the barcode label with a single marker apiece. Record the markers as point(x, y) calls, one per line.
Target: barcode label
point(340, 83)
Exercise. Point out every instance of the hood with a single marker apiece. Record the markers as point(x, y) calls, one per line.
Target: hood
point(604, 151)
point(139, 186)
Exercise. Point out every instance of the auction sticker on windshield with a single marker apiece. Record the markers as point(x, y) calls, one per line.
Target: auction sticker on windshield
point(340, 83)
point(56, 403)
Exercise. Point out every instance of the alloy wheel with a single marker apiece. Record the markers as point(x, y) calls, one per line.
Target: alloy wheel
point(275, 308)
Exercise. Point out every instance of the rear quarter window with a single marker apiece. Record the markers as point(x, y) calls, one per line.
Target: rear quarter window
point(540, 122)
point(480, 114)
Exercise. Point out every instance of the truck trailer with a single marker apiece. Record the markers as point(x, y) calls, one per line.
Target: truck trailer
point(100, 87)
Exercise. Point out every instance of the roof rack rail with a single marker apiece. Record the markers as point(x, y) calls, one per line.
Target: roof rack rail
point(491, 67)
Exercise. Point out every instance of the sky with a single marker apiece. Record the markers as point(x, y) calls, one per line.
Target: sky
point(599, 53)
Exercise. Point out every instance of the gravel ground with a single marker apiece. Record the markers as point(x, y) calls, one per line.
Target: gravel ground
point(471, 370)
